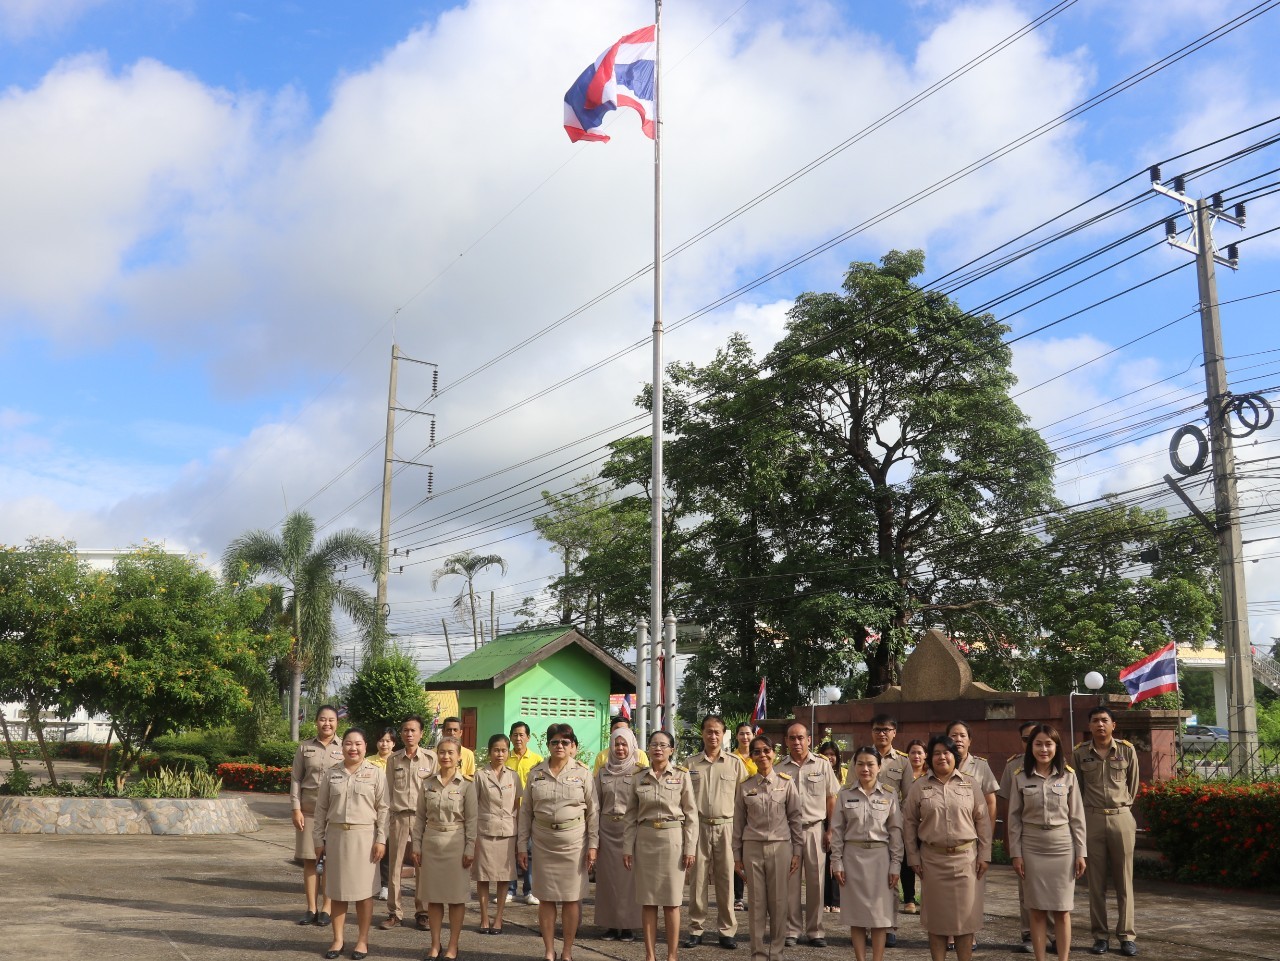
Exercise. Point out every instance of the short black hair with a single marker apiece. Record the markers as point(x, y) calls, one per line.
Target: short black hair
point(515, 724)
point(885, 720)
point(495, 738)
point(422, 725)
point(950, 745)
point(1025, 725)
point(326, 707)
point(866, 749)
point(619, 719)
point(713, 717)
point(1101, 709)
point(451, 720)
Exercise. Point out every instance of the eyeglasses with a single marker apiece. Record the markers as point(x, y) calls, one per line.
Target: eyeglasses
point(761, 750)
point(559, 743)
point(883, 730)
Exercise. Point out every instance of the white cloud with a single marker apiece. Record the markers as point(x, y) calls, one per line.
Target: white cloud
point(22, 19)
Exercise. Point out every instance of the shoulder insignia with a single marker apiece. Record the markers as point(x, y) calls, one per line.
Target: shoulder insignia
point(1017, 770)
point(785, 777)
point(900, 753)
point(1070, 769)
point(978, 757)
point(468, 777)
point(1011, 758)
point(1121, 740)
point(682, 767)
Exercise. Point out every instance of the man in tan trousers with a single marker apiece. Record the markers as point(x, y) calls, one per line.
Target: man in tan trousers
point(407, 770)
point(817, 786)
point(1108, 771)
point(715, 774)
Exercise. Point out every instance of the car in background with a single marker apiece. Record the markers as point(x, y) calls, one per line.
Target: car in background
point(1202, 737)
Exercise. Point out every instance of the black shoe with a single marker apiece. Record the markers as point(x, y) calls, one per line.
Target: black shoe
point(692, 941)
point(818, 943)
point(890, 940)
point(626, 934)
point(728, 943)
point(610, 935)
point(1100, 946)
point(1051, 947)
point(1025, 947)
point(323, 920)
point(789, 943)
point(359, 955)
point(333, 954)
point(308, 918)
point(1129, 948)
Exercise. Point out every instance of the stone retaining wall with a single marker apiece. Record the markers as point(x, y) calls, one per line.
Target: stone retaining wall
point(60, 815)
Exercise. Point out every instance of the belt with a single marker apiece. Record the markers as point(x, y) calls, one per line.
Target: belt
point(445, 827)
point(809, 824)
point(617, 817)
point(350, 827)
point(865, 844)
point(1097, 810)
point(404, 814)
point(661, 823)
point(497, 837)
point(702, 820)
point(950, 848)
point(1048, 827)
point(558, 825)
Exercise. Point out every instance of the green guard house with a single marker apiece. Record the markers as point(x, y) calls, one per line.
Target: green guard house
point(543, 676)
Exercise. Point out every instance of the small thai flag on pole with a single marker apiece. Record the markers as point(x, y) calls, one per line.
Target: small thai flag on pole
point(622, 76)
point(1155, 674)
point(624, 708)
point(761, 709)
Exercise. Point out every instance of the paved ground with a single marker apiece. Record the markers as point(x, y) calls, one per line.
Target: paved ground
point(210, 898)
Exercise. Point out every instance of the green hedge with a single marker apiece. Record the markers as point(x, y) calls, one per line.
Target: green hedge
point(1215, 832)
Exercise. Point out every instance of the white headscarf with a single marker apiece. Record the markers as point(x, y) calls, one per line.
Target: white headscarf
point(628, 764)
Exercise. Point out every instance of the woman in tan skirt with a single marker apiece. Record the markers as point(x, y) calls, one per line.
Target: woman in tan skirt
point(313, 758)
point(660, 842)
point(351, 834)
point(558, 811)
point(866, 855)
point(1047, 837)
point(917, 768)
point(497, 796)
point(948, 840)
point(444, 845)
point(617, 910)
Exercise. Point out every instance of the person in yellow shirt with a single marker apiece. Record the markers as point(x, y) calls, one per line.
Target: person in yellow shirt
point(602, 758)
point(522, 761)
point(452, 727)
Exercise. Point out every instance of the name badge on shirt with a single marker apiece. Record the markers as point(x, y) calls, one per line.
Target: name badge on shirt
point(850, 802)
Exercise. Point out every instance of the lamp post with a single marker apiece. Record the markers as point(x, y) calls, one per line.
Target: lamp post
point(1093, 681)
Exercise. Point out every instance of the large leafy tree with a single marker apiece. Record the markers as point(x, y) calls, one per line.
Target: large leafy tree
point(385, 691)
point(467, 565)
point(314, 584)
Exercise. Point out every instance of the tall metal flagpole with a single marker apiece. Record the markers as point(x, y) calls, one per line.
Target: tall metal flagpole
point(655, 550)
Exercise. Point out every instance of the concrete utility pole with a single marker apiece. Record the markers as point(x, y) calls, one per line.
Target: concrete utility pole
point(1242, 719)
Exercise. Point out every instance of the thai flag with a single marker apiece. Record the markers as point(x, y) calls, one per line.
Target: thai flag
point(624, 708)
point(758, 715)
point(1155, 674)
point(622, 76)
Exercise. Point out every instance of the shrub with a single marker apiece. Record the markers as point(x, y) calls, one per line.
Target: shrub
point(277, 753)
point(1214, 832)
point(17, 782)
point(192, 763)
point(255, 777)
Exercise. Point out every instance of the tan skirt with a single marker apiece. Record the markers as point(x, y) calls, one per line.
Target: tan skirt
point(442, 879)
point(561, 859)
point(866, 900)
point(616, 905)
point(1049, 858)
point(951, 897)
point(659, 878)
point(495, 859)
point(349, 874)
point(304, 841)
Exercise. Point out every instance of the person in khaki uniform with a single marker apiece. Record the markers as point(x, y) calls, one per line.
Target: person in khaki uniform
point(1013, 767)
point(979, 769)
point(866, 854)
point(1047, 836)
point(617, 910)
point(407, 770)
point(313, 757)
point(715, 775)
point(768, 836)
point(660, 841)
point(893, 763)
point(1107, 768)
point(558, 811)
point(444, 845)
point(452, 727)
point(351, 834)
point(817, 785)
point(497, 798)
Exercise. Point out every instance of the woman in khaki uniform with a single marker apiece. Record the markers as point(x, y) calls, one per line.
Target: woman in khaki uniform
point(617, 910)
point(660, 842)
point(1047, 837)
point(767, 835)
point(866, 855)
point(351, 834)
point(558, 811)
point(313, 758)
point(917, 767)
point(497, 795)
point(444, 845)
point(948, 840)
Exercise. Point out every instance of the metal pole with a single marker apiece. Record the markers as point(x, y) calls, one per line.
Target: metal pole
point(1242, 720)
point(641, 719)
point(669, 653)
point(655, 519)
point(384, 534)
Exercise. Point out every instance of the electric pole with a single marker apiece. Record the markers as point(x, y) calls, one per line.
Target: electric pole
point(1242, 720)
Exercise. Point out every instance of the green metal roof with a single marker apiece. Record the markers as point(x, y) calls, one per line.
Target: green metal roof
point(510, 655)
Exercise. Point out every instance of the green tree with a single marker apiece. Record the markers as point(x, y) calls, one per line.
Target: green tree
point(467, 565)
point(168, 646)
point(312, 577)
point(385, 691)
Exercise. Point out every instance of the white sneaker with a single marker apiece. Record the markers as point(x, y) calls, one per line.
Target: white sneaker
point(382, 893)
point(530, 899)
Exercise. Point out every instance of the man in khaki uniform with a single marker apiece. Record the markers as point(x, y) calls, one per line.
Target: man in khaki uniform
point(452, 727)
point(1012, 768)
point(716, 775)
point(407, 770)
point(1108, 771)
point(817, 786)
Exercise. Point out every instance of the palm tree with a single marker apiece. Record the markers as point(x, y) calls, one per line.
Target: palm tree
point(467, 565)
point(314, 585)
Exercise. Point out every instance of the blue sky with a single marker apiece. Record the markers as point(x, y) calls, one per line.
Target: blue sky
point(218, 216)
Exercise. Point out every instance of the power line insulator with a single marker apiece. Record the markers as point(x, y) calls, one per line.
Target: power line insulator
point(1216, 203)
point(1170, 228)
point(435, 381)
point(433, 432)
point(1180, 184)
point(1233, 251)
point(1155, 173)
point(431, 480)
point(1240, 213)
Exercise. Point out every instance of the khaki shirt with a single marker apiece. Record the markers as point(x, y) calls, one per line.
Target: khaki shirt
point(405, 777)
point(715, 783)
point(1108, 779)
point(661, 802)
point(945, 814)
point(352, 797)
point(863, 817)
point(1039, 803)
point(768, 809)
point(497, 795)
point(978, 769)
point(815, 780)
point(1012, 768)
point(559, 798)
point(447, 806)
point(309, 763)
point(613, 792)
point(893, 768)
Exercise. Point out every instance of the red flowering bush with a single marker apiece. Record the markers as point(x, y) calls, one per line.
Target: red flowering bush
point(254, 777)
point(1214, 832)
